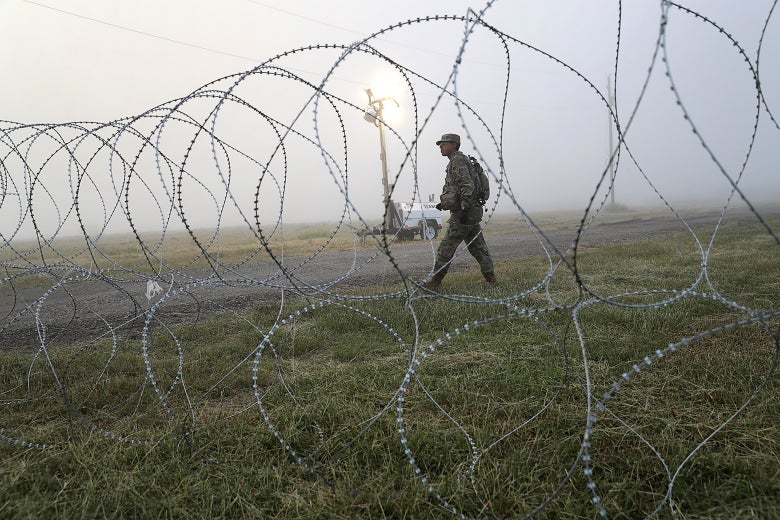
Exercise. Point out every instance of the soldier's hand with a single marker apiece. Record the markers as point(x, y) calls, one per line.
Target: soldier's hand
point(438, 206)
point(464, 215)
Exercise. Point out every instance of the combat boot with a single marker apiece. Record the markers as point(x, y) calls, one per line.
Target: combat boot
point(434, 282)
point(490, 278)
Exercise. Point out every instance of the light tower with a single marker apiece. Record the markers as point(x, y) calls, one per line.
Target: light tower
point(373, 114)
point(612, 165)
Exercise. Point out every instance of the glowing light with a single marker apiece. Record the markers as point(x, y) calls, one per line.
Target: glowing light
point(387, 86)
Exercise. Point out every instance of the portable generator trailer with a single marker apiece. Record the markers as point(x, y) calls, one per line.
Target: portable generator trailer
point(402, 220)
point(409, 219)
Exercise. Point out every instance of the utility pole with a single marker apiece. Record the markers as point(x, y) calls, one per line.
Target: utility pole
point(373, 115)
point(613, 173)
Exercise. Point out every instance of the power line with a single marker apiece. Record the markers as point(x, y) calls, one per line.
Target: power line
point(320, 22)
point(151, 35)
point(225, 53)
point(179, 42)
point(360, 33)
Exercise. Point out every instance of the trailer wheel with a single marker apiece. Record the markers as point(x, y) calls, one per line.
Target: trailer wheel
point(428, 230)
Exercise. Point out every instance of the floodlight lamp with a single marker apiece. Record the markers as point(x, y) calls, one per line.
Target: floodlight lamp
point(370, 115)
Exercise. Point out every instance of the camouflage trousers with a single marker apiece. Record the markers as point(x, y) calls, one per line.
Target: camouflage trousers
point(457, 233)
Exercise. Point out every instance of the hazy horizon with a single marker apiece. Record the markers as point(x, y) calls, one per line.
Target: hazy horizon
point(160, 80)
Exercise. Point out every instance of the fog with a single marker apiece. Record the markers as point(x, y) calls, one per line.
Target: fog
point(199, 112)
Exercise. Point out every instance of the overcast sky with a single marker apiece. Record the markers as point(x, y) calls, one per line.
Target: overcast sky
point(106, 60)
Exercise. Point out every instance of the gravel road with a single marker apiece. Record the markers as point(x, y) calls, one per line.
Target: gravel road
point(85, 309)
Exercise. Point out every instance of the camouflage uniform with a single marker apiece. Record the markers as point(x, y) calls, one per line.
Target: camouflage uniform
point(457, 195)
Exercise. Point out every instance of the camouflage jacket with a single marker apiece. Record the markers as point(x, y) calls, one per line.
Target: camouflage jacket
point(458, 190)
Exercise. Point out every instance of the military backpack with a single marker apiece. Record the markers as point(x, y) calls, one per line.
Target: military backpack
point(480, 180)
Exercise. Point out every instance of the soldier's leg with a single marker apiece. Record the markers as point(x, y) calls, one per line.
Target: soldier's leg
point(448, 246)
point(446, 251)
point(443, 255)
point(479, 250)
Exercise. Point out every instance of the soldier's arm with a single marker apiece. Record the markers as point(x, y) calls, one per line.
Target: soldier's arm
point(463, 181)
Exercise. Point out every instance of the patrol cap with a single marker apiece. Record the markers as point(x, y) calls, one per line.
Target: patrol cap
point(449, 138)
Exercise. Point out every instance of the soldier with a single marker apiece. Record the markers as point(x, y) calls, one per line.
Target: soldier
point(465, 214)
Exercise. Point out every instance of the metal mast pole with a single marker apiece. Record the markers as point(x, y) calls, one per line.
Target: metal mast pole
point(611, 100)
point(383, 158)
point(375, 116)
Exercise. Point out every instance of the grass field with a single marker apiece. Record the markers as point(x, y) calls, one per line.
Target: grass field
point(625, 388)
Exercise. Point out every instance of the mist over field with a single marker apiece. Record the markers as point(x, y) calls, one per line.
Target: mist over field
point(158, 128)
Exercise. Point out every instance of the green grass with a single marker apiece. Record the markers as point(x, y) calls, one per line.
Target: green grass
point(514, 386)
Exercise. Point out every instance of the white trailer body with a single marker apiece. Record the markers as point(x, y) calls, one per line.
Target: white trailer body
point(420, 218)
